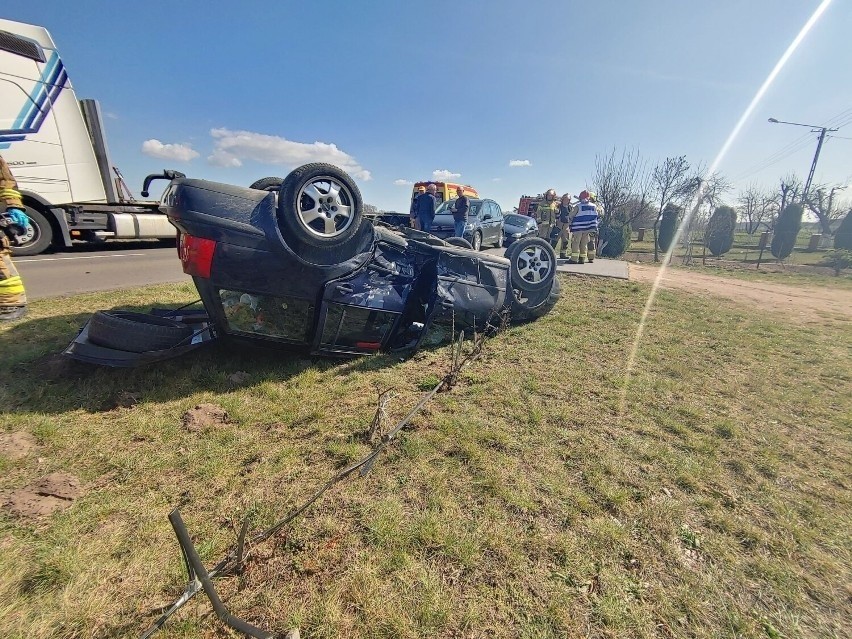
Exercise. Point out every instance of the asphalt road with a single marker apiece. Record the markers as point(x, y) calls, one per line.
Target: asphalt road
point(107, 267)
point(120, 265)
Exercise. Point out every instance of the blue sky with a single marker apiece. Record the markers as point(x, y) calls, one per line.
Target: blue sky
point(238, 91)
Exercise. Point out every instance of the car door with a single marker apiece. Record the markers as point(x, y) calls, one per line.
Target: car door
point(498, 224)
point(490, 237)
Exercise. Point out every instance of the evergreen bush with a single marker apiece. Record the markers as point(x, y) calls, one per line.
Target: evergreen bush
point(719, 237)
point(786, 230)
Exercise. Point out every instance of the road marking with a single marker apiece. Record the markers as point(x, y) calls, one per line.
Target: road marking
point(79, 257)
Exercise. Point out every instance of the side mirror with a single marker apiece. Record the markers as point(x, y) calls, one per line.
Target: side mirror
point(487, 217)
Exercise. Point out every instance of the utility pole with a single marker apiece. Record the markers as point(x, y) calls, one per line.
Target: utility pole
point(815, 129)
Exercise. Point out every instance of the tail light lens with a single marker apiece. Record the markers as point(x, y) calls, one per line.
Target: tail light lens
point(196, 255)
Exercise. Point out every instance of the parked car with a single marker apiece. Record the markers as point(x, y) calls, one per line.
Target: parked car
point(517, 226)
point(299, 266)
point(484, 223)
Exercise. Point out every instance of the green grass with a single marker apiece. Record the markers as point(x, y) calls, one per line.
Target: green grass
point(519, 505)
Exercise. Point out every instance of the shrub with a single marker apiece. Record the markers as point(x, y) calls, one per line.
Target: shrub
point(838, 259)
point(668, 226)
point(614, 239)
point(843, 236)
point(786, 229)
point(719, 237)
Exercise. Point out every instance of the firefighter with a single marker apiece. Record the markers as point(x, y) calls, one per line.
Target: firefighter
point(13, 299)
point(545, 215)
point(593, 236)
point(564, 241)
point(584, 221)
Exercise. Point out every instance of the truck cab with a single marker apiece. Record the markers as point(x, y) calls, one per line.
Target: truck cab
point(56, 148)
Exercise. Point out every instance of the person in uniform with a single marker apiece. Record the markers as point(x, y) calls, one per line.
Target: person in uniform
point(545, 214)
point(564, 241)
point(583, 222)
point(13, 298)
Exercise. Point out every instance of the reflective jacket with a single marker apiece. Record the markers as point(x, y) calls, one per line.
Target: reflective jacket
point(545, 213)
point(9, 194)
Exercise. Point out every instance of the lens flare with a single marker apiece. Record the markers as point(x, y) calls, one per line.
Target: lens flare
point(697, 198)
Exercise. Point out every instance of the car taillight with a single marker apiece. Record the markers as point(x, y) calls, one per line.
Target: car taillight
point(196, 255)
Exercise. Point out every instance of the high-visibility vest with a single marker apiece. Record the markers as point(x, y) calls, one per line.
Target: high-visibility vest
point(585, 219)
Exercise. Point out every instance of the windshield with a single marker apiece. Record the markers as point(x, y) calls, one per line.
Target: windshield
point(446, 207)
point(517, 220)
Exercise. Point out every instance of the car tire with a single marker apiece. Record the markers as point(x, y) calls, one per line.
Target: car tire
point(42, 235)
point(525, 309)
point(532, 264)
point(459, 241)
point(477, 241)
point(136, 332)
point(267, 184)
point(311, 206)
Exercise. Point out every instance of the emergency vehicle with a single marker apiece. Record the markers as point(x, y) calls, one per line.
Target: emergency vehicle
point(446, 190)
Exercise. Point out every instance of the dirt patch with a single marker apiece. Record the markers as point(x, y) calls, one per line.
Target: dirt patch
point(44, 496)
point(806, 305)
point(204, 416)
point(16, 446)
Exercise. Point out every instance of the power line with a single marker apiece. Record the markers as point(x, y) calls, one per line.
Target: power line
point(841, 119)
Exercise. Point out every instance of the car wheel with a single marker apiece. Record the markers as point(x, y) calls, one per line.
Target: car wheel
point(136, 332)
point(538, 304)
point(533, 264)
point(477, 241)
point(267, 184)
point(320, 205)
point(39, 239)
point(459, 241)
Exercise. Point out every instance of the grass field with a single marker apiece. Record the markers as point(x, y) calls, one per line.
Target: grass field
point(521, 504)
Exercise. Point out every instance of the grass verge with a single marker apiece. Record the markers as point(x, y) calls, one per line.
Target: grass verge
point(519, 505)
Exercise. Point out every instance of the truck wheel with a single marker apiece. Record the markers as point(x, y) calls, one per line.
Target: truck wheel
point(320, 206)
point(136, 332)
point(42, 235)
point(267, 184)
point(532, 264)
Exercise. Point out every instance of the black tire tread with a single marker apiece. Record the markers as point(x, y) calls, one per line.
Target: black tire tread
point(287, 204)
point(136, 332)
point(267, 184)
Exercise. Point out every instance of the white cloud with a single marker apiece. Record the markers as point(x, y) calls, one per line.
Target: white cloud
point(176, 152)
point(520, 163)
point(403, 182)
point(444, 174)
point(496, 179)
point(232, 147)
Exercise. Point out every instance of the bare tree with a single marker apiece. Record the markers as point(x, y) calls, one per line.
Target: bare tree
point(748, 208)
point(822, 202)
point(671, 180)
point(618, 180)
point(789, 191)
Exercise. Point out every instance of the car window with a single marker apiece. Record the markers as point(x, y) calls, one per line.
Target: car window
point(474, 208)
point(350, 327)
point(282, 317)
point(518, 220)
point(498, 214)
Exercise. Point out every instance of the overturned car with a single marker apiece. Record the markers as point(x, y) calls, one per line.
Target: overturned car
point(295, 263)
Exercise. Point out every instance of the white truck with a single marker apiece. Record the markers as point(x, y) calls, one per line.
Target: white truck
point(56, 148)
